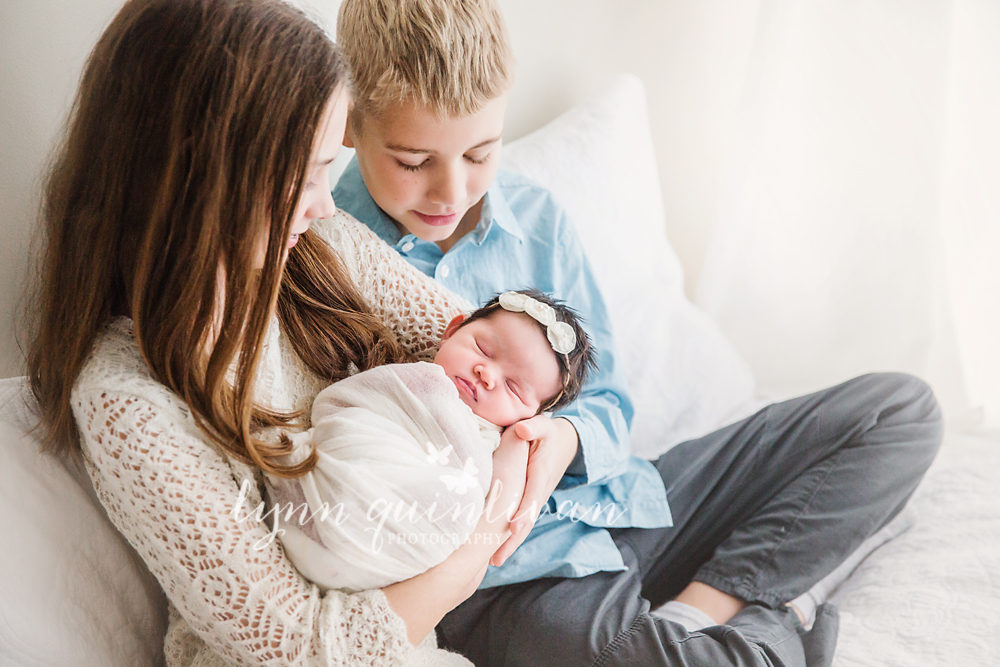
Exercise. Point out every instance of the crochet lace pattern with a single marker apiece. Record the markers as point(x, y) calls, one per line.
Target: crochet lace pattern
point(235, 599)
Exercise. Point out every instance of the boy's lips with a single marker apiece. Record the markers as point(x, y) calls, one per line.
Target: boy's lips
point(437, 220)
point(466, 386)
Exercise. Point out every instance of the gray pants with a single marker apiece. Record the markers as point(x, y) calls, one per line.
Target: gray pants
point(763, 509)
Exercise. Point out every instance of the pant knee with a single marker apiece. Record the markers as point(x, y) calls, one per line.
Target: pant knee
point(911, 409)
point(923, 406)
point(909, 395)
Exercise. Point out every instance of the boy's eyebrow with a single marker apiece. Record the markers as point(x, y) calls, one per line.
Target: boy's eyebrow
point(487, 142)
point(397, 148)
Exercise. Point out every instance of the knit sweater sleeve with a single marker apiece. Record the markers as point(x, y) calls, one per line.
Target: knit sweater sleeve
point(415, 306)
point(235, 598)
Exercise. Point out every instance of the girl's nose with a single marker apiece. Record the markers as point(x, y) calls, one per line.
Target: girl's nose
point(323, 206)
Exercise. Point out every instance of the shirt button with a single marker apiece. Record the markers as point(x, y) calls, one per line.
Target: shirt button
point(408, 246)
point(444, 271)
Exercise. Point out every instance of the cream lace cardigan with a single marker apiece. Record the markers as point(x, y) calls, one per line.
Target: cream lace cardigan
point(171, 493)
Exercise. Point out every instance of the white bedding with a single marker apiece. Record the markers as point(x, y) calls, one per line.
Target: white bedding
point(931, 597)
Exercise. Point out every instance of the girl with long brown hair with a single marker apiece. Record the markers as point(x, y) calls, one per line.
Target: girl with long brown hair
point(187, 309)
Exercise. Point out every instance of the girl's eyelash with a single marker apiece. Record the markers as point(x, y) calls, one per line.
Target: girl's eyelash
point(482, 160)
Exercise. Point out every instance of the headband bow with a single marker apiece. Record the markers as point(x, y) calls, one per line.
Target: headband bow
point(561, 336)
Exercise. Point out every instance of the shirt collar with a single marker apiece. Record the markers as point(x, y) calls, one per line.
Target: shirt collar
point(383, 225)
point(352, 195)
point(496, 209)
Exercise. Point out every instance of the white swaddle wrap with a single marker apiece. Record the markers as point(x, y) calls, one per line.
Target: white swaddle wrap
point(404, 467)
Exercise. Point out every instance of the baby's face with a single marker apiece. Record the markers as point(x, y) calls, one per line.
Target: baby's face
point(502, 365)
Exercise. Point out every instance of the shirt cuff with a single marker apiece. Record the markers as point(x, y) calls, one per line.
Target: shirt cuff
point(578, 467)
point(588, 463)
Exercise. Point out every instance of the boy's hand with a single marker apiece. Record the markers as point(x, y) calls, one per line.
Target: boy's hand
point(553, 445)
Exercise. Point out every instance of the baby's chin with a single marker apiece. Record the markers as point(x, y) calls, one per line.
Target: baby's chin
point(502, 422)
point(506, 421)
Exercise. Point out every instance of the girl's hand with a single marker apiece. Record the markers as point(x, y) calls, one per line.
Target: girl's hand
point(553, 445)
point(473, 585)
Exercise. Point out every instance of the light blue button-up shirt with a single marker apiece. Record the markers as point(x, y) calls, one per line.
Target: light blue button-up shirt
point(524, 239)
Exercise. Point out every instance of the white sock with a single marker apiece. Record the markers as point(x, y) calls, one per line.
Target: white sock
point(692, 618)
point(824, 588)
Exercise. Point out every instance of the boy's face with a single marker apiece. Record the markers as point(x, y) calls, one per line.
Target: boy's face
point(502, 366)
point(428, 173)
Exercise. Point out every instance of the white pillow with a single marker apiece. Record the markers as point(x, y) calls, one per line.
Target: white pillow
point(598, 161)
point(73, 593)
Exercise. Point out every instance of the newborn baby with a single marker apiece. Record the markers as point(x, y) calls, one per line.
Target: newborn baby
point(406, 451)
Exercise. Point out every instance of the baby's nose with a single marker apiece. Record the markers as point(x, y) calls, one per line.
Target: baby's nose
point(486, 375)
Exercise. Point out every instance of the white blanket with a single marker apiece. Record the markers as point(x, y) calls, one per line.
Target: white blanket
point(931, 597)
point(404, 468)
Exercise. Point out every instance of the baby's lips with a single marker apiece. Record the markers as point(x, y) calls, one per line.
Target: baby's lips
point(466, 387)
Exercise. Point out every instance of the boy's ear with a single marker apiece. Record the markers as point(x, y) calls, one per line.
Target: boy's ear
point(452, 327)
point(348, 137)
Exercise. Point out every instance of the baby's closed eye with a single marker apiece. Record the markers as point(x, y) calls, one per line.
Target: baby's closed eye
point(513, 388)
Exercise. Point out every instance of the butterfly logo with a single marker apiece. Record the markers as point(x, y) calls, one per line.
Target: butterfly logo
point(437, 456)
point(465, 480)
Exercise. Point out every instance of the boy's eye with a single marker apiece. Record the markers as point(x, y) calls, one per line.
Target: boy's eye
point(411, 167)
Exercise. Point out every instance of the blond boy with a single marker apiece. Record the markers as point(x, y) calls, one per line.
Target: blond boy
point(764, 508)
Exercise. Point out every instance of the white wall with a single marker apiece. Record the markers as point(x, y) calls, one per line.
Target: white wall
point(690, 54)
point(42, 49)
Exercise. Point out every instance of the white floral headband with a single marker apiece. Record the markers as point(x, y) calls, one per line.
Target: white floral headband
point(561, 336)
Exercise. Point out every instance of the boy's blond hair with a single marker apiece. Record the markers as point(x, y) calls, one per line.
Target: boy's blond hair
point(452, 56)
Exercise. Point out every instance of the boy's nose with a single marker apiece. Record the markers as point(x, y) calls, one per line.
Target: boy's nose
point(449, 188)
